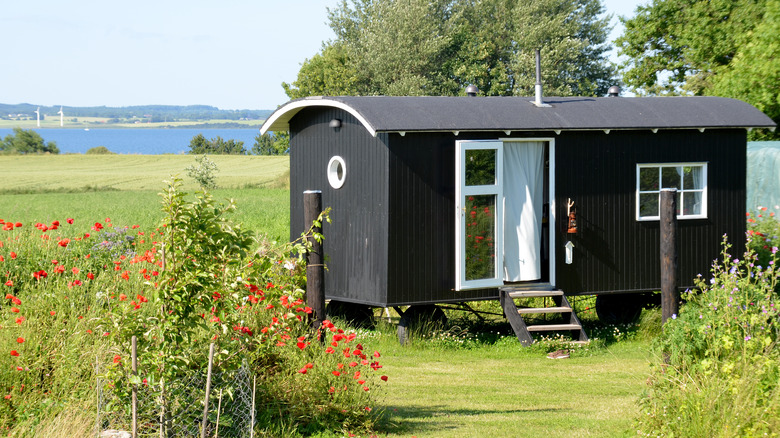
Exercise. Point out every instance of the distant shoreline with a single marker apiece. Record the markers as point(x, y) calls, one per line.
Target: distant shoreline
point(51, 124)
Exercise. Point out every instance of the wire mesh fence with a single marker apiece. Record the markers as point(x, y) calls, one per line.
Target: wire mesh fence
point(177, 408)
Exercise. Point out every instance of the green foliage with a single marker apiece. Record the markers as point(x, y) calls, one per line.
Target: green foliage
point(753, 75)
point(763, 234)
point(717, 370)
point(203, 172)
point(73, 297)
point(271, 144)
point(99, 150)
point(200, 145)
point(418, 47)
point(26, 142)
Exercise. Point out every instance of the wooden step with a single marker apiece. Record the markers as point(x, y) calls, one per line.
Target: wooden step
point(534, 293)
point(544, 310)
point(553, 327)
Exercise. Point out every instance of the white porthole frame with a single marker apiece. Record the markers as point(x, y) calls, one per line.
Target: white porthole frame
point(333, 172)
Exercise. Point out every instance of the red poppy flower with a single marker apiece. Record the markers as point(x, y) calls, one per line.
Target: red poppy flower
point(18, 225)
point(69, 220)
point(117, 358)
point(20, 340)
point(14, 309)
point(64, 243)
point(303, 370)
point(384, 378)
point(13, 255)
point(97, 227)
point(122, 297)
point(336, 373)
point(7, 397)
point(90, 275)
point(14, 353)
point(376, 354)
point(331, 390)
point(9, 283)
point(52, 313)
point(20, 320)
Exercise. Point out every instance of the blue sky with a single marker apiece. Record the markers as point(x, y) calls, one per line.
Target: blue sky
point(232, 54)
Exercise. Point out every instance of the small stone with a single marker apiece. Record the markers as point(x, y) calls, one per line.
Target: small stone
point(113, 433)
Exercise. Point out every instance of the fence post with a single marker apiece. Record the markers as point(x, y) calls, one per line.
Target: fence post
point(315, 268)
point(135, 386)
point(208, 389)
point(668, 217)
point(252, 425)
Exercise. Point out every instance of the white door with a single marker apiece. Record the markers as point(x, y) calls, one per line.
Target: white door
point(479, 214)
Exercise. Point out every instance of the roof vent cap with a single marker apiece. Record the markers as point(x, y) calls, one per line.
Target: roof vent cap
point(614, 91)
point(472, 90)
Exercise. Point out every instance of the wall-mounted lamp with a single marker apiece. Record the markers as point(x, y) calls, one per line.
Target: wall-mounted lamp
point(335, 123)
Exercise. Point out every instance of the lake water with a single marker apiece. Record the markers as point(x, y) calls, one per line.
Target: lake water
point(143, 141)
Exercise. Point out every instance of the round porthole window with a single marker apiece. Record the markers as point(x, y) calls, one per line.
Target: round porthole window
point(337, 172)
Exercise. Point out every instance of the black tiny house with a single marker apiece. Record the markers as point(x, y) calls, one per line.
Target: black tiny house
point(450, 199)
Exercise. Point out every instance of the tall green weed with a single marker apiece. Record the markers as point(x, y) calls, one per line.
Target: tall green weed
point(718, 362)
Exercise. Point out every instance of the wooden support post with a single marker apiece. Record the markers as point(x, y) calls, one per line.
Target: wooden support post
point(134, 341)
point(208, 390)
point(315, 267)
point(670, 298)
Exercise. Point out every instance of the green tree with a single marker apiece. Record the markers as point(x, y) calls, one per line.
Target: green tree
point(271, 144)
point(99, 150)
point(754, 74)
point(27, 142)
point(217, 146)
point(680, 46)
point(438, 47)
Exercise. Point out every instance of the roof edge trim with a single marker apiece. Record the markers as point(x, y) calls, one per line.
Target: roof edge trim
point(280, 119)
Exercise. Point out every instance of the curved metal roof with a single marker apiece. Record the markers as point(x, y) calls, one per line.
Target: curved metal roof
point(460, 114)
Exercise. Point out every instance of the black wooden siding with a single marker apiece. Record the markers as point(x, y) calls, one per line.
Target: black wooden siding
point(356, 239)
point(392, 239)
point(612, 251)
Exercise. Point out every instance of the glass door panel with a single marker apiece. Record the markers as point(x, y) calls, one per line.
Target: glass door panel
point(478, 214)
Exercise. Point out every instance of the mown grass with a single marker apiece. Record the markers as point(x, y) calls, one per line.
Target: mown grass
point(74, 172)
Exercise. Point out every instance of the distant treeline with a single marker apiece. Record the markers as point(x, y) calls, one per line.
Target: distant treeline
point(154, 112)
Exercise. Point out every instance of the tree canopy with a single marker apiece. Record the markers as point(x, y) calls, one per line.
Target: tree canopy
point(705, 47)
point(27, 142)
point(200, 145)
point(439, 47)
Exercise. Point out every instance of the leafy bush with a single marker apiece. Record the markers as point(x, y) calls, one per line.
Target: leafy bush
point(763, 233)
point(99, 150)
point(27, 142)
point(203, 172)
point(718, 367)
point(200, 145)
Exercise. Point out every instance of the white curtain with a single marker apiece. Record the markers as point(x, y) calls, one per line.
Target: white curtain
point(523, 202)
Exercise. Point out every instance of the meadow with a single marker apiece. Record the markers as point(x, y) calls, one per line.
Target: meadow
point(471, 378)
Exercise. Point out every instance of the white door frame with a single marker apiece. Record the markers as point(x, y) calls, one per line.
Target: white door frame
point(461, 191)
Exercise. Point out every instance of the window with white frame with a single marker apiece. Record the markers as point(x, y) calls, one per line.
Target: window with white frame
point(690, 180)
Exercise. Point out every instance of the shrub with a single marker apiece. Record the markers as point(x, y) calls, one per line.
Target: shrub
point(27, 142)
point(203, 172)
point(99, 150)
point(718, 366)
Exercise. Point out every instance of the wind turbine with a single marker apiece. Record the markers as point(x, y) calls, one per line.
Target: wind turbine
point(38, 113)
point(61, 116)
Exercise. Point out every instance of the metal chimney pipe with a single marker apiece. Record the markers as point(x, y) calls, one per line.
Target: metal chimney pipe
point(538, 101)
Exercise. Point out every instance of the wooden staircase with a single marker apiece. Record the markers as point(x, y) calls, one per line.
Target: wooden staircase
point(508, 295)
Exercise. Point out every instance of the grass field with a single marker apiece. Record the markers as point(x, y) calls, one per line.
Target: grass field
point(76, 172)
point(125, 187)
